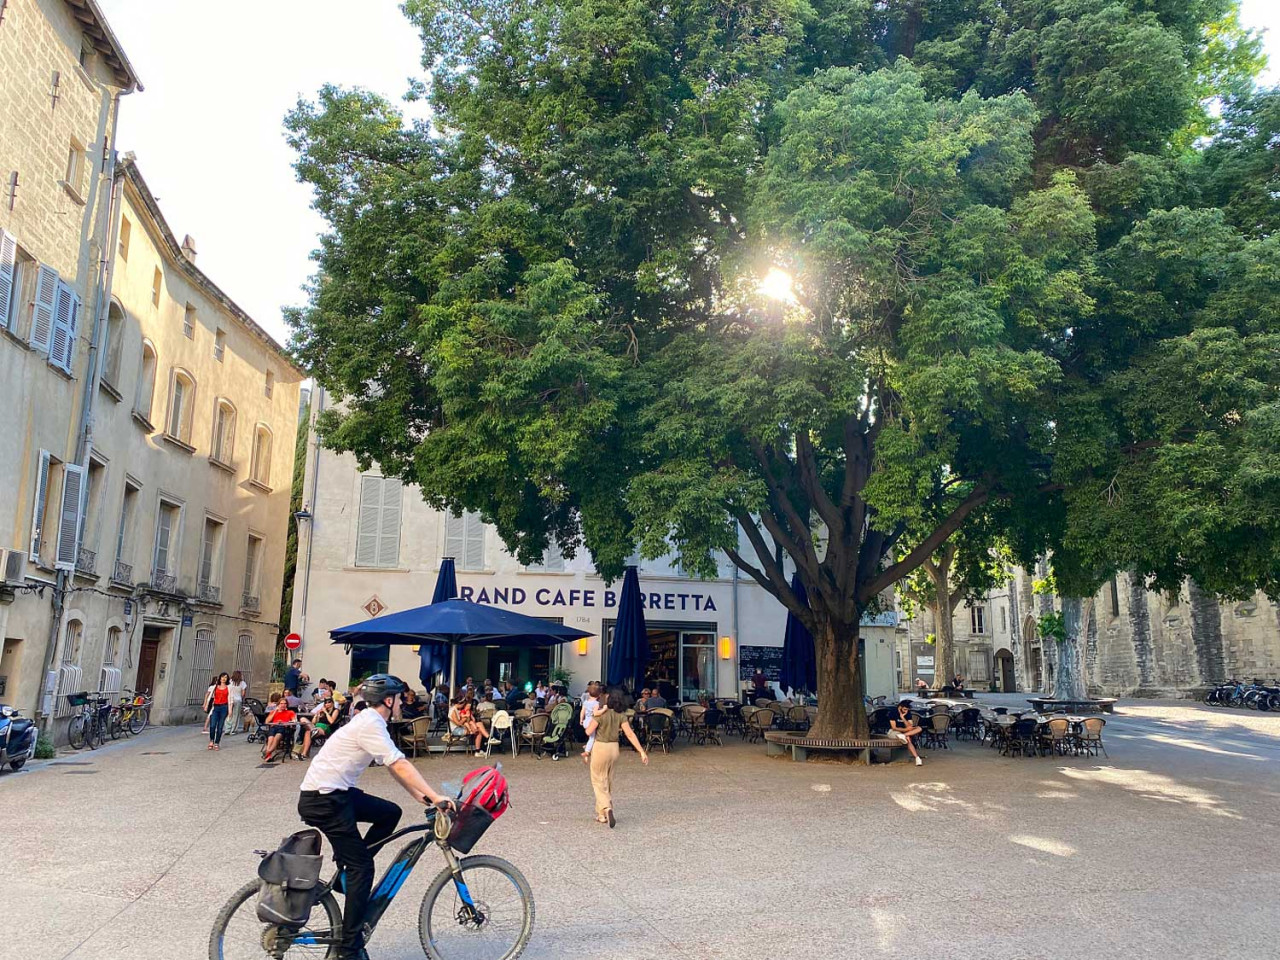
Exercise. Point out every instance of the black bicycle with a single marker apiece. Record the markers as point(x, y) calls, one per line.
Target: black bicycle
point(88, 728)
point(477, 908)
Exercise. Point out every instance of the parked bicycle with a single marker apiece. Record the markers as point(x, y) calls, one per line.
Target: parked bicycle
point(477, 908)
point(1236, 693)
point(131, 714)
point(88, 728)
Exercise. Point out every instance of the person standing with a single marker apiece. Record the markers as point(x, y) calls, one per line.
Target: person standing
point(609, 721)
point(217, 701)
point(294, 678)
point(236, 708)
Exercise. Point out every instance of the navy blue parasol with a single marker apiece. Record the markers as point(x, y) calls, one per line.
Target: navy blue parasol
point(629, 651)
point(434, 657)
point(799, 660)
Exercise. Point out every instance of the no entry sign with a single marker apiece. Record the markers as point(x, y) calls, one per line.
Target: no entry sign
point(293, 641)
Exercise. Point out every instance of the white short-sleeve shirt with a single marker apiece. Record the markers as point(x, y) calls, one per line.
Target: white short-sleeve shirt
point(348, 751)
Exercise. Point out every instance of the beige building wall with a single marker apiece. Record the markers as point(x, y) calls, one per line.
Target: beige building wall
point(334, 587)
point(61, 74)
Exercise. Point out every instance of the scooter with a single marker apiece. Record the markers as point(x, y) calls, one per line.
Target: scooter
point(17, 738)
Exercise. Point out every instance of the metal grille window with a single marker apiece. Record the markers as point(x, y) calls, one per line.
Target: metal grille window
point(378, 528)
point(464, 540)
point(201, 666)
point(244, 657)
point(70, 680)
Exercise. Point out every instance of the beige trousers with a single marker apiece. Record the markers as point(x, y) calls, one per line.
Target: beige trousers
point(603, 757)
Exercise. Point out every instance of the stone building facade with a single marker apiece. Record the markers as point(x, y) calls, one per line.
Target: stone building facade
point(372, 546)
point(147, 436)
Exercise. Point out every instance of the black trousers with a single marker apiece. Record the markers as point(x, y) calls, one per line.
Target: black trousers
point(337, 815)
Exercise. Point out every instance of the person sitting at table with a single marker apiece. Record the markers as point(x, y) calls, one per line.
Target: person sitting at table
point(462, 722)
point(655, 701)
point(411, 707)
point(324, 719)
point(514, 696)
point(280, 721)
point(642, 701)
point(904, 729)
point(540, 693)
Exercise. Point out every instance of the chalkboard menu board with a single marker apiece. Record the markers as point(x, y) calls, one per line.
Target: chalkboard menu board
point(767, 659)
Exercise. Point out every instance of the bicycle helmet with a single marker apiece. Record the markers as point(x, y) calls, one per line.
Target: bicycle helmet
point(379, 686)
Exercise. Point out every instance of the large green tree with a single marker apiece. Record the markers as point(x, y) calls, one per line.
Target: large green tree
point(554, 303)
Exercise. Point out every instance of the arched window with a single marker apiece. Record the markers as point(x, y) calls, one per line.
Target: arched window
point(112, 648)
point(111, 347)
point(261, 470)
point(182, 401)
point(75, 636)
point(224, 432)
point(146, 382)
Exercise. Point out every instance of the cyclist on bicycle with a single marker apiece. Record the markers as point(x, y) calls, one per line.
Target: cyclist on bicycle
point(331, 802)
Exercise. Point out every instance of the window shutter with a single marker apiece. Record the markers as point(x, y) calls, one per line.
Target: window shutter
point(367, 524)
point(42, 312)
point(389, 524)
point(8, 260)
point(474, 553)
point(62, 344)
point(42, 497)
point(69, 521)
point(455, 537)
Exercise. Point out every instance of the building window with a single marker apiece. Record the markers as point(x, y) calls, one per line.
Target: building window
point(1004, 620)
point(464, 540)
point(126, 233)
point(9, 281)
point(219, 345)
point(244, 658)
point(75, 167)
point(58, 506)
point(95, 488)
point(123, 569)
point(224, 433)
point(182, 397)
point(164, 558)
point(202, 664)
point(252, 574)
point(146, 382)
point(1115, 599)
point(378, 528)
point(113, 344)
point(269, 385)
point(978, 619)
point(977, 663)
point(552, 559)
point(73, 642)
point(112, 649)
point(209, 578)
point(157, 279)
point(260, 471)
point(189, 322)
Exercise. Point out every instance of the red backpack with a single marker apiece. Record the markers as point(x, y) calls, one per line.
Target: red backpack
point(486, 788)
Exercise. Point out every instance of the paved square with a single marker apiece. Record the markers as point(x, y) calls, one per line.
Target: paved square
point(1168, 848)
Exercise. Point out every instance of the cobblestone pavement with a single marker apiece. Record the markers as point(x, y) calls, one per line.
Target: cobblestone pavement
point(1169, 847)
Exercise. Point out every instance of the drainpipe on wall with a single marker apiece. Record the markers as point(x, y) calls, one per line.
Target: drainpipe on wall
point(105, 235)
point(318, 394)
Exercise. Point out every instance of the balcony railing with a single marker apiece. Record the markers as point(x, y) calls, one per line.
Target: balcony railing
point(86, 562)
point(123, 573)
point(208, 593)
point(250, 603)
point(164, 582)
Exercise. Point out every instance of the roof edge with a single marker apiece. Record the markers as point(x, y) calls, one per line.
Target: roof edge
point(122, 65)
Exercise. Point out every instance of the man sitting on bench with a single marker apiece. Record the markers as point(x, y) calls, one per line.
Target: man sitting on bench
point(905, 729)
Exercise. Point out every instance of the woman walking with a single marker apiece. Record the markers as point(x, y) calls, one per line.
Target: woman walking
point(604, 727)
point(217, 701)
point(236, 708)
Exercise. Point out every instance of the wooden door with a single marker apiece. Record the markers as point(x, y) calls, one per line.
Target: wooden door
point(147, 656)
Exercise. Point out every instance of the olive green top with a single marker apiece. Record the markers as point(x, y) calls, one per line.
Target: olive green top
point(608, 726)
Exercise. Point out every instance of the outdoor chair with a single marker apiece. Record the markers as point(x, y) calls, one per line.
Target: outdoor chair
point(485, 710)
point(706, 728)
point(1055, 736)
point(690, 714)
point(500, 728)
point(732, 710)
point(879, 722)
point(936, 728)
point(761, 721)
point(969, 724)
point(1089, 737)
point(1021, 738)
point(416, 735)
point(999, 711)
point(558, 738)
point(744, 720)
point(535, 732)
point(764, 702)
point(656, 731)
point(797, 718)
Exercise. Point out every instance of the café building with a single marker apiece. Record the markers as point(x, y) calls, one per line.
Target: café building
point(368, 545)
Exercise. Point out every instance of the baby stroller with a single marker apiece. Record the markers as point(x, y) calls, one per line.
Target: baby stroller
point(259, 711)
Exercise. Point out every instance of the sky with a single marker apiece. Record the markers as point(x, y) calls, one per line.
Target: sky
point(208, 130)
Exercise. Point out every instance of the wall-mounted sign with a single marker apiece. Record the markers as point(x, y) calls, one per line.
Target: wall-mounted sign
point(606, 599)
point(186, 620)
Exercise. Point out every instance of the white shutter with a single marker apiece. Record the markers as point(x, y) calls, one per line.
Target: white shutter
point(37, 513)
point(454, 536)
point(474, 552)
point(42, 312)
point(553, 559)
point(62, 343)
point(367, 524)
point(389, 523)
point(69, 518)
point(8, 273)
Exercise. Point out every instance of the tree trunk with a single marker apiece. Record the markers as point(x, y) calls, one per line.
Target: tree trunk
point(1068, 678)
point(944, 644)
point(841, 711)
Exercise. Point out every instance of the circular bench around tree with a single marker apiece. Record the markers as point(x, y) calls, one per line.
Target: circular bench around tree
point(778, 742)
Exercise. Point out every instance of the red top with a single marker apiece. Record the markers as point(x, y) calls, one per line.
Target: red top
point(221, 695)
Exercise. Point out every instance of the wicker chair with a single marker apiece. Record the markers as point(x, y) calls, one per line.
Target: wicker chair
point(534, 733)
point(1089, 737)
point(417, 734)
point(936, 728)
point(706, 728)
point(969, 724)
point(745, 715)
point(1056, 737)
point(690, 716)
point(761, 721)
point(656, 731)
point(797, 718)
point(1020, 738)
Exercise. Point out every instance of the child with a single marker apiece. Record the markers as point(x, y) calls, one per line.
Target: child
point(280, 720)
point(589, 704)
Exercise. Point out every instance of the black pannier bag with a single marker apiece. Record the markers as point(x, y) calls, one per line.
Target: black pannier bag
point(290, 880)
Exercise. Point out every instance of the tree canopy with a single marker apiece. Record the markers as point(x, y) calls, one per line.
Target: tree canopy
point(1003, 292)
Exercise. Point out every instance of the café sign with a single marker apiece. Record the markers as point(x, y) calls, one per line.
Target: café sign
point(575, 597)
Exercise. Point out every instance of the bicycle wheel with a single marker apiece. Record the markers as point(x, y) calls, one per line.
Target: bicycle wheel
point(238, 934)
point(92, 732)
point(75, 732)
point(114, 726)
point(500, 925)
point(138, 720)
